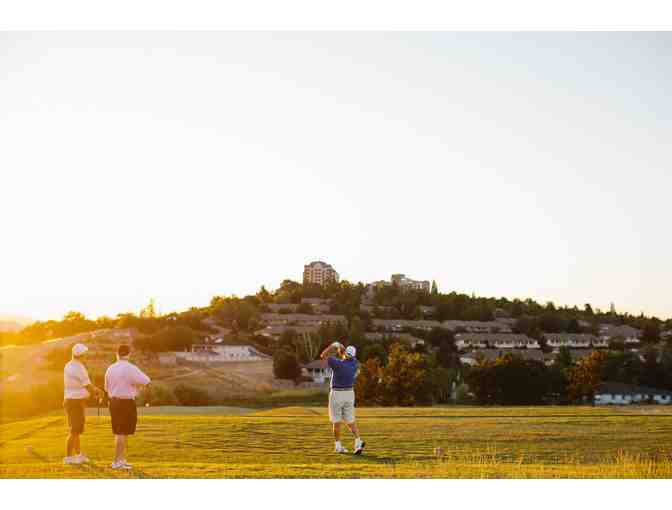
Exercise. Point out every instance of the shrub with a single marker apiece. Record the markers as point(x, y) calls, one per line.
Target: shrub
point(285, 365)
point(191, 396)
point(157, 395)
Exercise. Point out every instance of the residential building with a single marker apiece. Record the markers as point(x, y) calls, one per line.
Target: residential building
point(497, 340)
point(575, 354)
point(401, 324)
point(472, 358)
point(319, 273)
point(375, 309)
point(276, 331)
point(477, 326)
point(576, 340)
point(209, 353)
point(301, 319)
point(318, 370)
point(629, 335)
point(406, 283)
point(276, 308)
point(623, 394)
point(403, 337)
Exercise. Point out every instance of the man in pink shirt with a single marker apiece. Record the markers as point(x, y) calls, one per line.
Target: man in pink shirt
point(123, 380)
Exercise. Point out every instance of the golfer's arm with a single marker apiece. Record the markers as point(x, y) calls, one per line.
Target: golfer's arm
point(92, 389)
point(327, 351)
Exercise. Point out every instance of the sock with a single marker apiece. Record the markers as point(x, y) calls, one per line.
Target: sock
point(338, 445)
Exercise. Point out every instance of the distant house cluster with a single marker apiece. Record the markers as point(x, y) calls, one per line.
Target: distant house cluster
point(616, 393)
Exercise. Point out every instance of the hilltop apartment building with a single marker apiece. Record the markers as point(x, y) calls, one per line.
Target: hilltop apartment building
point(319, 273)
point(402, 281)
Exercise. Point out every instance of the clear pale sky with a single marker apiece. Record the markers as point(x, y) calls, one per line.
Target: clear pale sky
point(183, 165)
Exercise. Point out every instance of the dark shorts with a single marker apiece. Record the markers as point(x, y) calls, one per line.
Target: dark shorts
point(74, 410)
point(124, 416)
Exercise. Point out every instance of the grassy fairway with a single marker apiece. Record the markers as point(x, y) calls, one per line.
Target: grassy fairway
point(539, 442)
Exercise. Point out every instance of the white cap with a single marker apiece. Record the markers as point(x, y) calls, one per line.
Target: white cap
point(79, 349)
point(351, 351)
point(337, 345)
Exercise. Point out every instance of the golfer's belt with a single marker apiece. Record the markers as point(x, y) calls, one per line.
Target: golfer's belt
point(342, 389)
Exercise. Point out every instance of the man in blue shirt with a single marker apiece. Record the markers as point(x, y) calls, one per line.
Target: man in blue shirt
point(344, 367)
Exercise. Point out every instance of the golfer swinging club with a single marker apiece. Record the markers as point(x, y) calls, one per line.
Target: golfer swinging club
point(344, 368)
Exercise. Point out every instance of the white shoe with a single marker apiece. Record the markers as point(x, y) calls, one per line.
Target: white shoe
point(81, 458)
point(359, 446)
point(121, 465)
point(341, 449)
point(71, 461)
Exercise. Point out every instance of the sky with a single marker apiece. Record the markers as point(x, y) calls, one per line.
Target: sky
point(183, 165)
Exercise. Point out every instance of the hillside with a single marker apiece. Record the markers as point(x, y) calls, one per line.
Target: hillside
point(25, 367)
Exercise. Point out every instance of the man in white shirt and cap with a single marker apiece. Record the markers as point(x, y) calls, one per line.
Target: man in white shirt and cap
point(122, 383)
point(77, 389)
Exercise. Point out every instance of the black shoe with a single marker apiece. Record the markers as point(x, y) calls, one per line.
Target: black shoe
point(358, 451)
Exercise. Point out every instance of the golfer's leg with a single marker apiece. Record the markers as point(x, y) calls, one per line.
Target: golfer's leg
point(76, 448)
point(353, 428)
point(118, 448)
point(125, 452)
point(69, 445)
point(337, 431)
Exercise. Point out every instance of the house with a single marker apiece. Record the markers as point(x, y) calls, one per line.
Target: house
point(167, 359)
point(403, 337)
point(318, 370)
point(375, 309)
point(631, 336)
point(208, 353)
point(623, 394)
point(401, 324)
point(496, 340)
point(276, 331)
point(427, 311)
point(477, 326)
point(288, 307)
point(575, 354)
point(315, 301)
point(301, 319)
point(472, 358)
point(572, 340)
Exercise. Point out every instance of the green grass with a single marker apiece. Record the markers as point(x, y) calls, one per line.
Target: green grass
point(478, 442)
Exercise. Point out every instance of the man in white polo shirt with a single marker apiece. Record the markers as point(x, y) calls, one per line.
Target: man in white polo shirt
point(77, 389)
point(122, 383)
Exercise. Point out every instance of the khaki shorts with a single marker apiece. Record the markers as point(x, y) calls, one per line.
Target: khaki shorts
point(342, 406)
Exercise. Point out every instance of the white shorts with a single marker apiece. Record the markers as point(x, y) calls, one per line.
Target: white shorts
point(342, 406)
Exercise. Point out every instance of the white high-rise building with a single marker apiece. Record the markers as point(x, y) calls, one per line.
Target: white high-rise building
point(402, 281)
point(319, 272)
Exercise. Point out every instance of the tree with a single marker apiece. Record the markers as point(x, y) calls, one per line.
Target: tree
point(585, 377)
point(446, 356)
point(443, 381)
point(563, 359)
point(435, 289)
point(403, 378)
point(368, 385)
point(171, 338)
point(374, 351)
point(149, 311)
point(651, 332)
point(285, 365)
